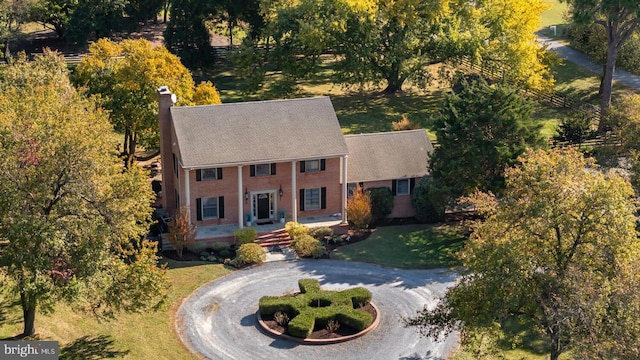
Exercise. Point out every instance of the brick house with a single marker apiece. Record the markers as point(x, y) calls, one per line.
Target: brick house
point(257, 161)
point(396, 160)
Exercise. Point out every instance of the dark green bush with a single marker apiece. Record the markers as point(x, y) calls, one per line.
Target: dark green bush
point(429, 200)
point(381, 202)
point(320, 232)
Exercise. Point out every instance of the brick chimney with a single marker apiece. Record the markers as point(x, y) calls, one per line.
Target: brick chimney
point(165, 100)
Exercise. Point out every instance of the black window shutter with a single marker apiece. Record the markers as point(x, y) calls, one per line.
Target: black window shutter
point(219, 173)
point(198, 175)
point(273, 168)
point(221, 207)
point(323, 198)
point(394, 189)
point(252, 170)
point(301, 199)
point(412, 184)
point(199, 208)
point(301, 166)
point(322, 164)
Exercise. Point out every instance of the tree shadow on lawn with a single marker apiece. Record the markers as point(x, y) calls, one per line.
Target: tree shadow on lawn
point(88, 348)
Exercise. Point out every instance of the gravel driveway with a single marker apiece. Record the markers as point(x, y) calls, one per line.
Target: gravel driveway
point(218, 320)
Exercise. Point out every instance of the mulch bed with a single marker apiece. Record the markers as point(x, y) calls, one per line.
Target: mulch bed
point(343, 330)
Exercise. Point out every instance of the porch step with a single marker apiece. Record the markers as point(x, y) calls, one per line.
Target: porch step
point(274, 238)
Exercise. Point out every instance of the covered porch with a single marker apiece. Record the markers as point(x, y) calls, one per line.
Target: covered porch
point(225, 232)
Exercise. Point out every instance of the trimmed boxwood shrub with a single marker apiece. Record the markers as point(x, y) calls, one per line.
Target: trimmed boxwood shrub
point(308, 285)
point(302, 325)
point(295, 229)
point(313, 308)
point(251, 253)
point(245, 235)
point(358, 320)
point(321, 232)
point(308, 246)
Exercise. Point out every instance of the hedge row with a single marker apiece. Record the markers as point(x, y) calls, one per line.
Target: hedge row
point(313, 307)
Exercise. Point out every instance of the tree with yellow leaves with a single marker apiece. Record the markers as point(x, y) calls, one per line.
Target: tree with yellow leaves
point(359, 210)
point(390, 42)
point(126, 76)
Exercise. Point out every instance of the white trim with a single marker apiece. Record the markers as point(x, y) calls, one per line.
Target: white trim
point(187, 195)
point(345, 193)
point(294, 192)
point(240, 199)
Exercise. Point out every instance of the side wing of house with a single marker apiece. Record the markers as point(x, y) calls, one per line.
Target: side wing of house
point(396, 160)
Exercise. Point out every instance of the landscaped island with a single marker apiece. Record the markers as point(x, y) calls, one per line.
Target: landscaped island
point(319, 316)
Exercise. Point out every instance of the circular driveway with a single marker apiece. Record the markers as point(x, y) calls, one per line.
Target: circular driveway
point(218, 321)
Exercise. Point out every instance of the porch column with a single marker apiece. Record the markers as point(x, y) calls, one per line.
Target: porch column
point(240, 199)
point(344, 189)
point(187, 194)
point(294, 193)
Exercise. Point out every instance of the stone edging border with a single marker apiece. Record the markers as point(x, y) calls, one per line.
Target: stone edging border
point(280, 335)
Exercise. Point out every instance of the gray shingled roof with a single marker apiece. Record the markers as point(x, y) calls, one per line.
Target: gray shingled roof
point(258, 131)
point(388, 155)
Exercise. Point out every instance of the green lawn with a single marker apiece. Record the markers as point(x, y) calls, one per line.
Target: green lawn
point(129, 336)
point(407, 246)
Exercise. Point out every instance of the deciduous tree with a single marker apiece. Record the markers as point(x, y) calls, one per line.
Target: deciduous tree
point(384, 42)
point(555, 251)
point(182, 233)
point(72, 218)
point(359, 210)
point(127, 75)
point(620, 19)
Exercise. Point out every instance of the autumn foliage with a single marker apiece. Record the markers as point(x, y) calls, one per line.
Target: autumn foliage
point(182, 232)
point(359, 210)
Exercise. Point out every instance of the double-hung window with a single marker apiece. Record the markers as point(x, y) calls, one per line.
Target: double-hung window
point(263, 169)
point(313, 199)
point(210, 208)
point(403, 187)
point(209, 174)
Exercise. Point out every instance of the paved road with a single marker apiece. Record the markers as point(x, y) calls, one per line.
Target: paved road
point(218, 320)
point(582, 60)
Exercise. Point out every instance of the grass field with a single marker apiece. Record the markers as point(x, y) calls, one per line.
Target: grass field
point(407, 246)
point(129, 336)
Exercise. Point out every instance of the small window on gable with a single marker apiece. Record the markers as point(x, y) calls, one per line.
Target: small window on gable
point(402, 187)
